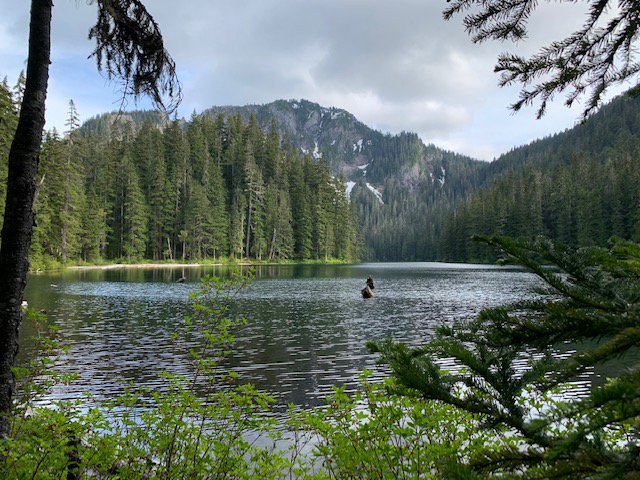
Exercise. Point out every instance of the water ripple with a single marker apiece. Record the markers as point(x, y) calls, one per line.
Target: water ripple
point(307, 325)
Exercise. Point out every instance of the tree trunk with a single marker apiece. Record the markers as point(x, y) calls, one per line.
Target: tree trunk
point(246, 250)
point(21, 189)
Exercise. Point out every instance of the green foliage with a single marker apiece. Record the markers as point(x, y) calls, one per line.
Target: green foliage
point(588, 62)
point(200, 426)
point(374, 434)
point(591, 301)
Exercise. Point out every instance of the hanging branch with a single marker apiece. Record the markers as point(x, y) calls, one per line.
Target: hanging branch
point(129, 46)
point(597, 56)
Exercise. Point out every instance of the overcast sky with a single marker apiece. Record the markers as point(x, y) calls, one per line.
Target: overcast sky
point(395, 64)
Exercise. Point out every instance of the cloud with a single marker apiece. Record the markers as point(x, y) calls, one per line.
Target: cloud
point(397, 65)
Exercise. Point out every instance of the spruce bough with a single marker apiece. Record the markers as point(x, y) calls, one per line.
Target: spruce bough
point(590, 303)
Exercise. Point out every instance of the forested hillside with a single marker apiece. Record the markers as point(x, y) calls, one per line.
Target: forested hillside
point(402, 188)
point(211, 188)
point(579, 187)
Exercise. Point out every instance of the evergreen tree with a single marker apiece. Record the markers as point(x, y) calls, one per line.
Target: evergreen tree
point(198, 221)
point(72, 190)
point(177, 163)
point(18, 89)
point(134, 219)
point(279, 221)
point(151, 163)
point(218, 242)
point(94, 227)
point(273, 156)
point(599, 55)
point(301, 210)
point(237, 225)
point(255, 242)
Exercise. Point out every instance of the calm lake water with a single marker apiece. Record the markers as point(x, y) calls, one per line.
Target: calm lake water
point(307, 325)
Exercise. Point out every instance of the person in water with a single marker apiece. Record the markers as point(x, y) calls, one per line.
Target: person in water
point(367, 291)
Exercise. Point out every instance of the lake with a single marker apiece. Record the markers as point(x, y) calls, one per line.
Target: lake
point(307, 324)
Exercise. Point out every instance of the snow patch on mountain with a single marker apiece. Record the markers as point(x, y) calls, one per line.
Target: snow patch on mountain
point(317, 154)
point(350, 186)
point(444, 174)
point(376, 192)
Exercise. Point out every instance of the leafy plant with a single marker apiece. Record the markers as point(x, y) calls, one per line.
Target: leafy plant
point(204, 425)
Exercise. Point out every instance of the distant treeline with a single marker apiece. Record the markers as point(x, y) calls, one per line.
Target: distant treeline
point(209, 188)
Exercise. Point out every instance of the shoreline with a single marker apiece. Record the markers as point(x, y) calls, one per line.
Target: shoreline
point(152, 265)
point(111, 266)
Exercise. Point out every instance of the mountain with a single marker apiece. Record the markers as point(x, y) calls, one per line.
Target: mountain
point(103, 125)
point(402, 188)
point(419, 202)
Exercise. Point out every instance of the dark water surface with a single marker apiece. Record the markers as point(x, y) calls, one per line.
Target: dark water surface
point(307, 325)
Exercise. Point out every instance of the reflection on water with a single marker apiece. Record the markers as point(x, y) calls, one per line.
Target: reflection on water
point(307, 325)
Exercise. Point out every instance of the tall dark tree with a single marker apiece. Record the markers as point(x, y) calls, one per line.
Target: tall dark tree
point(8, 122)
point(129, 46)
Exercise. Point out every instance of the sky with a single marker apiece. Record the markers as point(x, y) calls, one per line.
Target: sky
point(395, 64)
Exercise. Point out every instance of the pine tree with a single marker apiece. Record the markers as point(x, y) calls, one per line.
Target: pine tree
point(273, 156)
point(237, 224)
point(73, 191)
point(599, 55)
point(321, 208)
point(134, 213)
point(218, 242)
point(18, 89)
point(300, 209)
point(158, 192)
point(255, 242)
point(198, 221)
point(51, 197)
point(94, 227)
point(278, 223)
point(177, 163)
